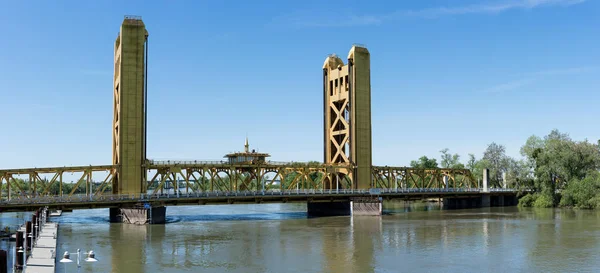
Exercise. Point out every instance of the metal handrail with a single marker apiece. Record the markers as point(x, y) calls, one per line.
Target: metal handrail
point(212, 194)
point(216, 162)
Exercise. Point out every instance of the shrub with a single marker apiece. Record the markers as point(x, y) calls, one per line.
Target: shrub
point(583, 193)
point(544, 201)
point(528, 200)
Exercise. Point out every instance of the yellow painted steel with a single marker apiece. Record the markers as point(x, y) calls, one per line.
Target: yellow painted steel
point(36, 186)
point(129, 113)
point(408, 178)
point(347, 114)
point(199, 177)
point(359, 62)
point(347, 144)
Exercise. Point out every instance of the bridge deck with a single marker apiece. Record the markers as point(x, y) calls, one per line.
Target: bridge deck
point(214, 198)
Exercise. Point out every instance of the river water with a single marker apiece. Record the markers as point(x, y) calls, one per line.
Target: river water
point(280, 238)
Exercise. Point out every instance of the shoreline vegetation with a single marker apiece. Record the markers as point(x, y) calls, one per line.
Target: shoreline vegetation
point(554, 171)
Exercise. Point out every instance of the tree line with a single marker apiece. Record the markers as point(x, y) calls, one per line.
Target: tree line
point(554, 170)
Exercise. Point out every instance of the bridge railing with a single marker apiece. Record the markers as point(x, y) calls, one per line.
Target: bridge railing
point(500, 190)
point(213, 162)
point(220, 194)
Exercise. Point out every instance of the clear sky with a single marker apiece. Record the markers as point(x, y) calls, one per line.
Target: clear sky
point(445, 74)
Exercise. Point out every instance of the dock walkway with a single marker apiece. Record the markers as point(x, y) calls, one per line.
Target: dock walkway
point(43, 256)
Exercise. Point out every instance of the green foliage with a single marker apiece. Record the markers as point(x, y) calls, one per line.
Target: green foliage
point(424, 163)
point(451, 161)
point(583, 193)
point(518, 175)
point(528, 200)
point(471, 163)
point(544, 201)
point(557, 160)
point(496, 161)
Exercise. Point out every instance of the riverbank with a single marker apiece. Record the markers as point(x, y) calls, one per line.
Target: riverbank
point(573, 199)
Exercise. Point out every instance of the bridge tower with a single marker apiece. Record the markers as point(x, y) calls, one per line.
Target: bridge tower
point(129, 93)
point(347, 114)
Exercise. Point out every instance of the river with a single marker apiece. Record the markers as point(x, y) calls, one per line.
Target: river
point(280, 238)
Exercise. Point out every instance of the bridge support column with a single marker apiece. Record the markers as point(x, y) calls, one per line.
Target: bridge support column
point(366, 206)
point(356, 206)
point(450, 203)
point(486, 201)
point(139, 215)
point(510, 200)
point(320, 209)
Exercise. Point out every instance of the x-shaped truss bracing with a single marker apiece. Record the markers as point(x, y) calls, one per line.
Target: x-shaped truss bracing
point(58, 181)
point(200, 178)
point(405, 178)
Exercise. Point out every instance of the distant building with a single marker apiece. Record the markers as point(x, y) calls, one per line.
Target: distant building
point(246, 157)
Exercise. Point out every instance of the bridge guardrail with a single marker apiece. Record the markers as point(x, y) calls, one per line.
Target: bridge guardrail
point(212, 194)
point(213, 162)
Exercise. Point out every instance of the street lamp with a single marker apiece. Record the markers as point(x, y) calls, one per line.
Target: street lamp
point(91, 257)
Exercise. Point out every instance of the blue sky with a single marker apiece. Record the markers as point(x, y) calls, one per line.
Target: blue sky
point(445, 74)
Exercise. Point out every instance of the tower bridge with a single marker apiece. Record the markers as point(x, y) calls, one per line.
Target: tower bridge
point(345, 182)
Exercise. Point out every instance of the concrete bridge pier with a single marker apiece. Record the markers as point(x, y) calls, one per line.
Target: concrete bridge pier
point(483, 201)
point(372, 206)
point(139, 215)
point(504, 200)
point(463, 202)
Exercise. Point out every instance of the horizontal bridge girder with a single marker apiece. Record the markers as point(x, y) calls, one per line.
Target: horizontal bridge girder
point(59, 169)
point(109, 201)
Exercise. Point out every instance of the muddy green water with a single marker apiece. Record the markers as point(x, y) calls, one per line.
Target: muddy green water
point(280, 238)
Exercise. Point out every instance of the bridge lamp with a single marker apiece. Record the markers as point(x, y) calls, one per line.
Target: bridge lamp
point(91, 258)
point(66, 258)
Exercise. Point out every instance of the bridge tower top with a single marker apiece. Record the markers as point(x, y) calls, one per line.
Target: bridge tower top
point(347, 113)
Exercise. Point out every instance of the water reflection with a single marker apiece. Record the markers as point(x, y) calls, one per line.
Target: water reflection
point(269, 238)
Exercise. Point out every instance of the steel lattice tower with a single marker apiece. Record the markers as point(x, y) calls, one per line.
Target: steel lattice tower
point(347, 114)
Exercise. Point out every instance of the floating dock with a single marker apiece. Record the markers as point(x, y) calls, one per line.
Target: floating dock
point(43, 256)
point(55, 213)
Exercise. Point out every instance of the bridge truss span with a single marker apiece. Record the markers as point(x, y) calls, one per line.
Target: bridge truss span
point(202, 177)
point(57, 181)
point(404, 177)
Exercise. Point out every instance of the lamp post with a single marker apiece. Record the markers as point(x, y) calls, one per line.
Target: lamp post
point(91, 258)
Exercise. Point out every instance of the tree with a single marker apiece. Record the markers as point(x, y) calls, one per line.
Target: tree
point(557, 160)
point(451, 161)
point(518, 174)
point(496, 161)
point(424, 163)
point(471, 163)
